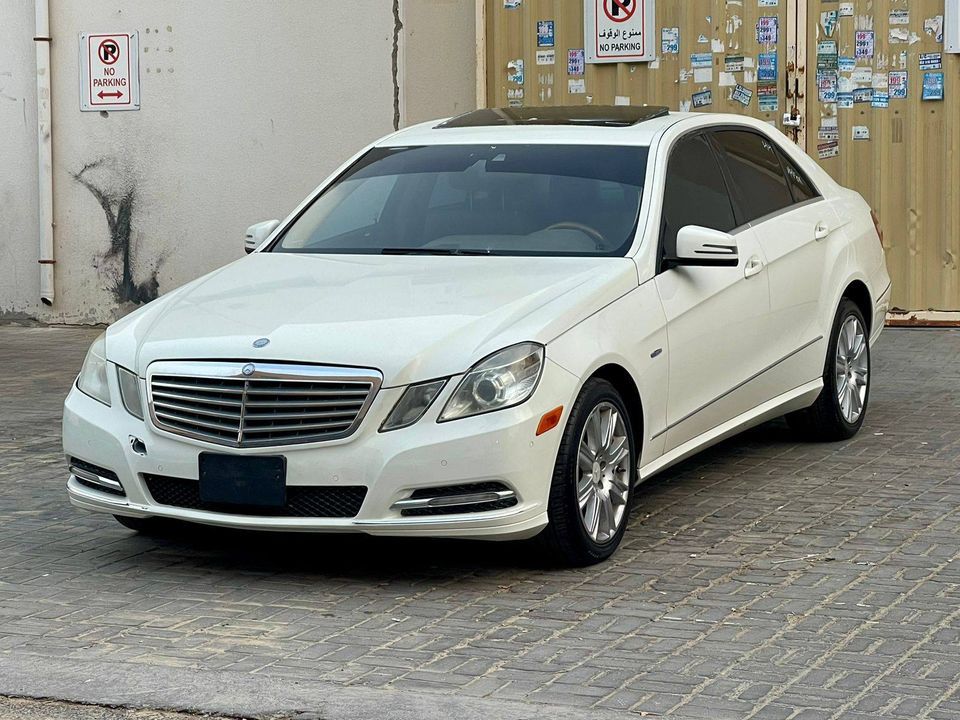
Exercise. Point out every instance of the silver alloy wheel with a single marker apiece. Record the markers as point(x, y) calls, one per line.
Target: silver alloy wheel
point(852, 369)
point(604, 469)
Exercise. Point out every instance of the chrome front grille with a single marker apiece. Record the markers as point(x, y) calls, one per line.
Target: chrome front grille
point(258, 405)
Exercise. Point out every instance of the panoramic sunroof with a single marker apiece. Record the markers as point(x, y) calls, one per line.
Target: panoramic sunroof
point(594, 115)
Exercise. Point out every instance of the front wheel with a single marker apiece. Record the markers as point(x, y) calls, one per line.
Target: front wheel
point(839, 412)
point(592, 480)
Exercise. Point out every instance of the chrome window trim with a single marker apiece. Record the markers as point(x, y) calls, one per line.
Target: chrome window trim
point(277, 371)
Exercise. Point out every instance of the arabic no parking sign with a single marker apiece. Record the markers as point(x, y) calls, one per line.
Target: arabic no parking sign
point(619, 31)
point(109, 71)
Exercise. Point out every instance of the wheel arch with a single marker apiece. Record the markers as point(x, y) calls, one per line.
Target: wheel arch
point(623, 381)
point(858, 292)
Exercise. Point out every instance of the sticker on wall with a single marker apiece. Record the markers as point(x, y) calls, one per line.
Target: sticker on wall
point(768, 3)
point(827, 86)
point(828, 132)
point(864, 44)
point(575, 61)
point(733, 63)
point(933, 26)
point(828, 150)
point(845, 100)
point(512, 4)
point(701, 60)
point(515, 71)
point(897, 84)
point(846, 9)
point(861, 132)
point(828, 20)
point(670, 41)
point(545, 33)
point(880, 100)
point(703, 76)
point(767, 67)
point(768, 30)
point(621, 100)
point(862, 75)
point(899, 17)
point(931, 61)
point(863, 95)
point(702, 99)
point(742, 95)
point(546, 57)
point(933, 86)
point(703, 40)
point(576, 86)
point(846, 64)
point(767, 99)
point(827, 58)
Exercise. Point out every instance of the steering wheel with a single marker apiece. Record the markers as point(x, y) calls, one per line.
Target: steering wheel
point(585, 229)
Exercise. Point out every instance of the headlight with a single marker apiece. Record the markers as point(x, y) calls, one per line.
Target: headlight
point(93, 374)
point(501, 380)
point(412, 405)
point(130, 392)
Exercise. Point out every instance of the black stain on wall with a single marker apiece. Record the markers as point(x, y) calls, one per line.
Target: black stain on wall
point(118, 204)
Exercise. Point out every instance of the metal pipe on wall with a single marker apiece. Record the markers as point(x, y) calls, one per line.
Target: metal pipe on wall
point(44, 152)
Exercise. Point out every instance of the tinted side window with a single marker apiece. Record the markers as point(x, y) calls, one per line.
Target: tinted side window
point(757, 176)
point(695, 192)
point(801, 187)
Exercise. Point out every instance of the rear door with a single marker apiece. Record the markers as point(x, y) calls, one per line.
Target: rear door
point(794, 225)
point(715, 315)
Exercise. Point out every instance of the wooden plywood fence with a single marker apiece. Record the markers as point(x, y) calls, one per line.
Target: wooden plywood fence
point(909, 169)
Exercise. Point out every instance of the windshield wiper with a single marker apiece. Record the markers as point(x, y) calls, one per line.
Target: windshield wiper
point(432, 251)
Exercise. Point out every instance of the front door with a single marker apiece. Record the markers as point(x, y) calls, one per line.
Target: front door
point(715, 315)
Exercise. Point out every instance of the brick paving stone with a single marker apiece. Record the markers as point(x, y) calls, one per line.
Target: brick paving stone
point(764, 578)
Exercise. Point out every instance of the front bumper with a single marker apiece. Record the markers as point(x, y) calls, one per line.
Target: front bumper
point(501, 446)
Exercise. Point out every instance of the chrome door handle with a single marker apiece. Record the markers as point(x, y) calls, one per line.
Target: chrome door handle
point(821, 231)
point(753, 267)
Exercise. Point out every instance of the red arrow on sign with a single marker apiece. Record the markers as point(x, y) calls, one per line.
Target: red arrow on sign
point(116, 94)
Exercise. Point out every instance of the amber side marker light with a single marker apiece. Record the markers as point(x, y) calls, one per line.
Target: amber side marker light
point(550, 420)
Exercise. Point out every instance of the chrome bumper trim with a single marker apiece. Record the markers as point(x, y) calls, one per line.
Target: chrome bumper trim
point(453, 500)
point(96, 479)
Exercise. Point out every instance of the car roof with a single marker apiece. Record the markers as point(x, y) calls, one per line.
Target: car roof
point(581, 125)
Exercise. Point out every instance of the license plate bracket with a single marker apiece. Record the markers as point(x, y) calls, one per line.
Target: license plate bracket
point(252, 481)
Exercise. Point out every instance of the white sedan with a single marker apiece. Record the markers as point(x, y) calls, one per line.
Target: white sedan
point(494, 326)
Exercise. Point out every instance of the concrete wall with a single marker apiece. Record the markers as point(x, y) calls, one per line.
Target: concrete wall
point(245, 108)
point(19, 274)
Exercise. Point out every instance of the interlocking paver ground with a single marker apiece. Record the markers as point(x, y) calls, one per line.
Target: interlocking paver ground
point(765, 578)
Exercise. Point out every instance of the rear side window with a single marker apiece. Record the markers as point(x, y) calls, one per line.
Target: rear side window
point(799, 185)
point(695, 192)
point(759, 182)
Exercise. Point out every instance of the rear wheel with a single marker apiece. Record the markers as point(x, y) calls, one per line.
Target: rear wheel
point(590, 493)
point(142, 525)
point(839, 412)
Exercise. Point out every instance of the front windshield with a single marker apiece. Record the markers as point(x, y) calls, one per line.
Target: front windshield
point(478, 199)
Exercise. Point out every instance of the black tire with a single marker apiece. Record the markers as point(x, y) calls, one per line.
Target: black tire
point(565, 540)
point(824, 421)
point(142, 525)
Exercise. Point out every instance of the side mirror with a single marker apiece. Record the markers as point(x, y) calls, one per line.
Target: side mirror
point(700, 246)
point(256, 234)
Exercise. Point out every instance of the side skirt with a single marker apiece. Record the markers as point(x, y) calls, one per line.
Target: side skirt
point(796, 399)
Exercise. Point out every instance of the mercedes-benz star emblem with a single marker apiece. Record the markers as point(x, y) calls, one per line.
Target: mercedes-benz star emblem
point(262, 342)
point(249, 369)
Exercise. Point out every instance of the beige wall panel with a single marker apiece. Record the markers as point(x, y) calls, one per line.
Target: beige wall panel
point(728, 28)
point(909, 170)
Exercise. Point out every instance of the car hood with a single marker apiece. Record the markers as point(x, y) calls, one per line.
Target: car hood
point(411, 317)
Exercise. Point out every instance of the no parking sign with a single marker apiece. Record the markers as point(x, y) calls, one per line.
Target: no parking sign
point(619, 31)
point(109, 71)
